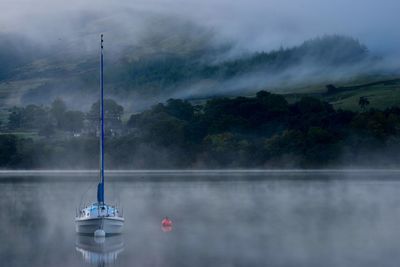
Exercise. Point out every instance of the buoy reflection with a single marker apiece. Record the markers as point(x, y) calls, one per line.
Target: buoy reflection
point(100, 250)
point(166, 229)
point(166, 224)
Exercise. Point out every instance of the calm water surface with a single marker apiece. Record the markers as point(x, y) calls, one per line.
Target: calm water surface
point(302, 219)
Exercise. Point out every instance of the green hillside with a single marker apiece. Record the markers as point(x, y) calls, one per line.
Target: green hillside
point(380, 92)
point(139, 79)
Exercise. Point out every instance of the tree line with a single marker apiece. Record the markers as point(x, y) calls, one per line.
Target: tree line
point(264, 131)
point(50, 120)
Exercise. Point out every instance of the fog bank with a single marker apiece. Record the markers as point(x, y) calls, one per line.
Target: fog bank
point(253, 24)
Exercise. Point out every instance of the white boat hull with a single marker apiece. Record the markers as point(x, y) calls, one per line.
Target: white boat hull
point(110, 225)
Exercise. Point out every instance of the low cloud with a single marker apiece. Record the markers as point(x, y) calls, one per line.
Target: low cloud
point(253, 24)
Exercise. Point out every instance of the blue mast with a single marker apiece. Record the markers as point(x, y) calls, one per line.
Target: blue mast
point(100, 187)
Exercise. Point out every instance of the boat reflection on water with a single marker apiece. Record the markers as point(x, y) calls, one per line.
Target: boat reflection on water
point(100, 250)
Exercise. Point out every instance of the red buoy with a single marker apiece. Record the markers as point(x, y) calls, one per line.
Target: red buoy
point(166, 225)
point(166, 222)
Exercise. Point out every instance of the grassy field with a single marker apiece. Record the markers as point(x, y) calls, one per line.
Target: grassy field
point(24, 134)
point(380, 93)
point(379, 96)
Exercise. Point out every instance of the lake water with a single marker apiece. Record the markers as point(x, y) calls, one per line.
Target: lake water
point(220, 219)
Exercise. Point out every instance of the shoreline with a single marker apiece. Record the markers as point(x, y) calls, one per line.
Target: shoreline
point(46, 172)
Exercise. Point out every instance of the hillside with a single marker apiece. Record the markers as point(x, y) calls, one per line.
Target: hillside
point(138, 76)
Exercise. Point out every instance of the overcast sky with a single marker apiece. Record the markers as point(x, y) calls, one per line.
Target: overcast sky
point(253, 24)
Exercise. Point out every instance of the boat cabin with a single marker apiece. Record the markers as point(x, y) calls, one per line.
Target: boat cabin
point(99, 210)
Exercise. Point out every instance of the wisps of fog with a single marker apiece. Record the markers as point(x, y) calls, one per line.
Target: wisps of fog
point(248, 223)
point(63, 38)
point(254, 24)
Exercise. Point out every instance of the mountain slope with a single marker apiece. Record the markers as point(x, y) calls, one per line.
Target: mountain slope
point(138, 78)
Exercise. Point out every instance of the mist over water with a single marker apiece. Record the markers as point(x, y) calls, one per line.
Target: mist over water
point(262, 219)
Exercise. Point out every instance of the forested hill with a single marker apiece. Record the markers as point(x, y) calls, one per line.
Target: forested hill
point(29, 74)
point(166, 70)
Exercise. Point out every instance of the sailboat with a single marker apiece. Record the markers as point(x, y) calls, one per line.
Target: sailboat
point(100, 217)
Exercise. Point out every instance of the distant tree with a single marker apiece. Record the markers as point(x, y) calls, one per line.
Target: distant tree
point(221, 143)
point(58, 109)
point(73, 121)
point(308, 105)
point(221, 148)
point(331, 88)
point(164, 130)
point(375, 123)
point(223, 114)
point(47, 130)
point(112, 110)
point(310, 112)
point(35, 117)
point(363, 102)
point(180, 109)
point(30, 117)
point(112, 114)
point(133, 120)
point(273, 104)
point(289, 142)
point(15, 118)
point(8, 150)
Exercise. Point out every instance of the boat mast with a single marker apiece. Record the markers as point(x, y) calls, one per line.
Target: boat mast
point(100, 189)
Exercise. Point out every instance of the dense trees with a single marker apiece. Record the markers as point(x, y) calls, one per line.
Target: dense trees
point(260, 131)
point(111, 109)
point(58, 109)
point(112, 113)
point(46, 120)
point(8, 150)
point(72, 121)
point(154, 73)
